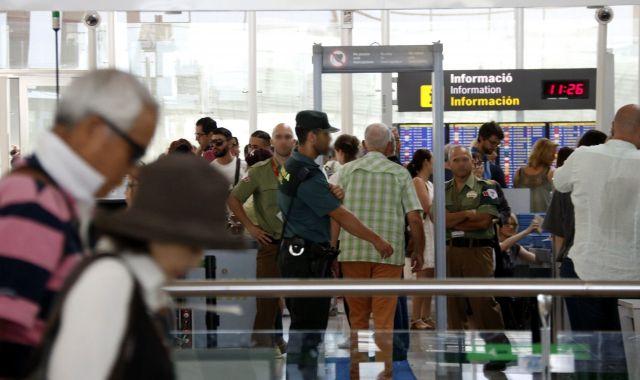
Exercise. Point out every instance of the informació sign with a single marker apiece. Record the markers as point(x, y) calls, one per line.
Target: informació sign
point(499, 90)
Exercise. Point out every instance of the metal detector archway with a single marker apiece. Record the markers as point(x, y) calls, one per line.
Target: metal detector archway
point(389, 59)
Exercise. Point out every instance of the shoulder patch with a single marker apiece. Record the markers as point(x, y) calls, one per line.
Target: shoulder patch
point(491, 193)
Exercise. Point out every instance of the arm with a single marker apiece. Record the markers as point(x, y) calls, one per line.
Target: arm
point(95, 310)
point(354, 226)
point(562, 177)
point(256, 232)
point(527, 256)
point(243, 190)
point(479, 221)
point(510, 242)
point(335, 233)
point(417, 236)
point(455, 218)
point(423, 194)
point(498, 175)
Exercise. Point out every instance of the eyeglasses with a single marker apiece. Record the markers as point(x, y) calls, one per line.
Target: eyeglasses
point(137, 150)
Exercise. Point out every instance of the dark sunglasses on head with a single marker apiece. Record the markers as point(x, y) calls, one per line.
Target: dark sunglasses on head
point(137, 150)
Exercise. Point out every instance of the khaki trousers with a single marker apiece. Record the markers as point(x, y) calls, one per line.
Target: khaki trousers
point(383, 310)
point(266, 308)
point(482, 313)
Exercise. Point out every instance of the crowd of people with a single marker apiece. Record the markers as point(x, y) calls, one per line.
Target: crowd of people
point(362, 215)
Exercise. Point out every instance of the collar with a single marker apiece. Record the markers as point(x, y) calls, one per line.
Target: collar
point(301, 157)
point(621, 144)
point(68, 169)
point(374, 154)
point(470, 182)
point(151, 279)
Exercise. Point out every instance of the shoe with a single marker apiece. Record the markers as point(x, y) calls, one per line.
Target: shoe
point(279, 355)
point(281, 344)
point(494, 366)
point(429, 322)
point(419, 324)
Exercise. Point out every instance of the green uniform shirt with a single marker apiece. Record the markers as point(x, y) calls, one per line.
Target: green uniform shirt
point(477, 194)
point(262, 183)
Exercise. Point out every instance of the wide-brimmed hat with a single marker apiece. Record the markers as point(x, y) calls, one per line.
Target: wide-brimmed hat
point(180, 199)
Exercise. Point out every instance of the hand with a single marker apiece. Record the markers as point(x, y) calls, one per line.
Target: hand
point(259, 234)
point(470, 213)
point(417, 261)
point(535, 225)
point(384, 248)
point(336, 191)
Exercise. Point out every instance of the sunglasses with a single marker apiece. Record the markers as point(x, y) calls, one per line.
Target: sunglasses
point(137, 150)
point(218, 143)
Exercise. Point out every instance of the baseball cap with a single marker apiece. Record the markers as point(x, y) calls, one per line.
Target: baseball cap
point(312, 120)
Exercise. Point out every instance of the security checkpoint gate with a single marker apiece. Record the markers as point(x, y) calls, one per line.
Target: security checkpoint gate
point(389, 59)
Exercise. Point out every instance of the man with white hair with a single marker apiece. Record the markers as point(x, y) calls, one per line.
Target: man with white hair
point(103, 125)
point(380, 193)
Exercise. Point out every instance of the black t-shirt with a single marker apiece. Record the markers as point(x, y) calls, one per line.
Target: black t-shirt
point(560, 220)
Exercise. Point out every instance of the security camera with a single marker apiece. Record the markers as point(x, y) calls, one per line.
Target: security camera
point(91, 19)
point(604, 15)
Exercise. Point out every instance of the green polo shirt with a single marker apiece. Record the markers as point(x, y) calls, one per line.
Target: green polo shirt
point(476, 194)
point(262, 183)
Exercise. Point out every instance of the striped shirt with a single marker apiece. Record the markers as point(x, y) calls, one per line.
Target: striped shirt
point(380, 193)
point(39, 247)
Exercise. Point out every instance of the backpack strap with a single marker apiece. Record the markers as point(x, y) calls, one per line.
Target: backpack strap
point(237, 177)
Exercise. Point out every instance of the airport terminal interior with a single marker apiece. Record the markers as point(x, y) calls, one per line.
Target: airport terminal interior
point(319, 190)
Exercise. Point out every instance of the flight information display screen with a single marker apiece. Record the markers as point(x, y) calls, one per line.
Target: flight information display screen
point(517, 145)
point(463, 134)
point(568, 134)
point(414, 137)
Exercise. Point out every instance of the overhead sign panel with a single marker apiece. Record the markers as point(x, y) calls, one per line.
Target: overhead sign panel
point(365, 59)
point(500, 90)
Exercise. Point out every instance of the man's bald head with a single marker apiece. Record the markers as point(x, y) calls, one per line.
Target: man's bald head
point(457, 150)
point(281, 128)
point(626, 124)
point(283, 140)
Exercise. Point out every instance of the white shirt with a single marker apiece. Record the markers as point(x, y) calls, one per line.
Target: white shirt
point(95, 313)
point(229, 170)
point(604, 182)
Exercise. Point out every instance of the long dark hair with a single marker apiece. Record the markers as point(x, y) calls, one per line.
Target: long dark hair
point(349, 146)
point(419, 157)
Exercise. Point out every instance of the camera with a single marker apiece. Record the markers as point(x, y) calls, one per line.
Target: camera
point(604, 15)
point(91, 19)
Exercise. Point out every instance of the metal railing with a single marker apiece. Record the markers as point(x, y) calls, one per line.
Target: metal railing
point(448, 287)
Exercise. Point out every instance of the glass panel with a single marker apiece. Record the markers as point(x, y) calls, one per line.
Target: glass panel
point(285, 72)
point(41, 102)
point(27, 41)
point(188, 79)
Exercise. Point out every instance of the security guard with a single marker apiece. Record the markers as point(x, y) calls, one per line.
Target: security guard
point(471, 208)
point(307, 206)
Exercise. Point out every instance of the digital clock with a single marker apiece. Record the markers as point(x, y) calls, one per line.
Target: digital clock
point(565, 89)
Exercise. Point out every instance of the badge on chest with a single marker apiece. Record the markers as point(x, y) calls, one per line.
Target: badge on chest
point(472, 195)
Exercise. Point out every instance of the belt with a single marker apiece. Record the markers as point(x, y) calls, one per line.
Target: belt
point(470, 243)
point(307, 243)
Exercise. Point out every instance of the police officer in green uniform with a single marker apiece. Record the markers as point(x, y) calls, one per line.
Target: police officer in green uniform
point(307, 206)
point(471, 205)
point(262, 183)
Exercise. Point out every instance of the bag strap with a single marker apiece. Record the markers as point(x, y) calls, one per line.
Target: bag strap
point(237, 177)
point(302, 175)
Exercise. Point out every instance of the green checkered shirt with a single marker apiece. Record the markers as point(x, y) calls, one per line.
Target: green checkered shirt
point(380, 193)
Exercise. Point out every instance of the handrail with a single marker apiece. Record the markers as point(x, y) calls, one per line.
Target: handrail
point(449, 287)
